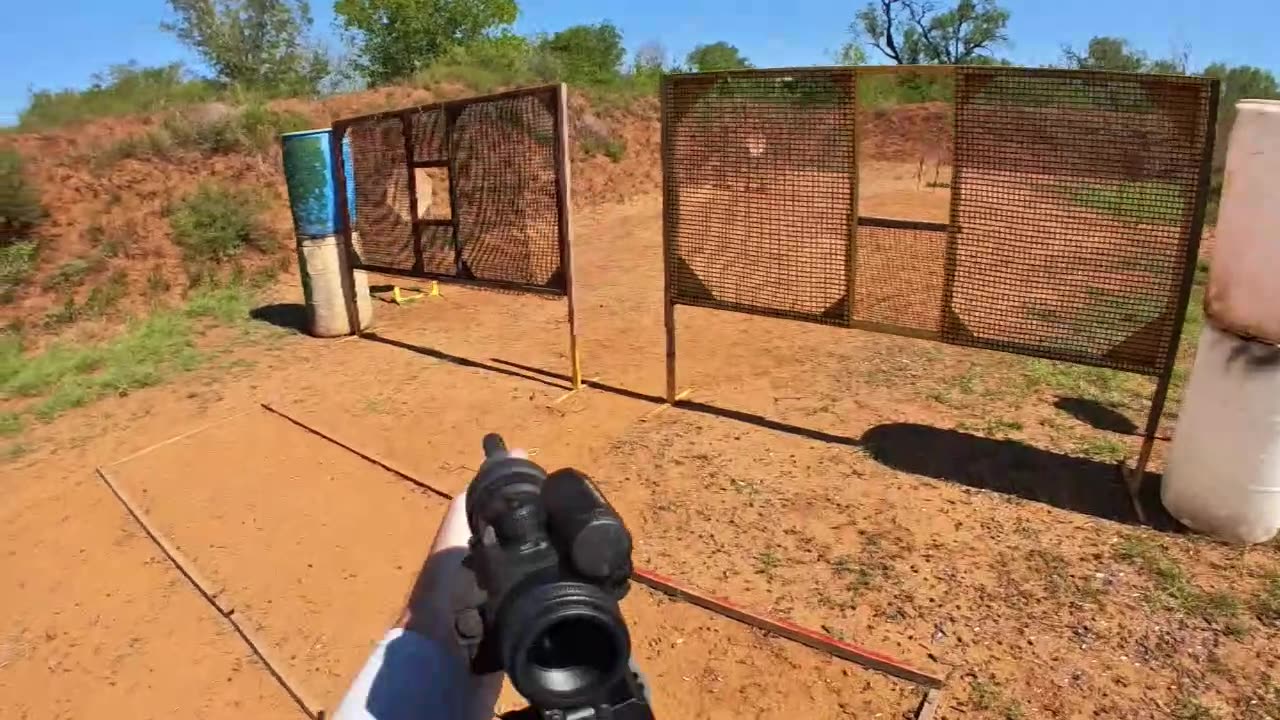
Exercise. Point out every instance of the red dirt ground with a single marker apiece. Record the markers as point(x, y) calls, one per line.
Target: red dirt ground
point(91, 203)
point(820, 476)
point(925, 501)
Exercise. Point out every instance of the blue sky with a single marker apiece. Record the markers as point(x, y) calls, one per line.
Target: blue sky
point(64, 43)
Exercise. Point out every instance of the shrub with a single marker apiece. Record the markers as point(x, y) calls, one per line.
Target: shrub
point(157, 283)
point(105, 297)
point(17, 260)
point(611, 147)
point(69, 274)
point(216, 223)
point(261, 127)
point(254, 129)
point(903, 88)
point(121, 90)
point(20, 208)
point(156, 143)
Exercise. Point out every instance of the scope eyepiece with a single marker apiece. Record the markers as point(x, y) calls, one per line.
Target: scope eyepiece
point(563, 642)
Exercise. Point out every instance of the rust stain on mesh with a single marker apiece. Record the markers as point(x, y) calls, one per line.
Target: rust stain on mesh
point(463, 189)
point(1074, 200)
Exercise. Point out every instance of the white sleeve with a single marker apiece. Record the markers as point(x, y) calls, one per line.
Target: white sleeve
point(409, 676)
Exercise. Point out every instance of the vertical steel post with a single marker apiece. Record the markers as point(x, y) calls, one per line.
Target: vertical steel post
point(564, 218)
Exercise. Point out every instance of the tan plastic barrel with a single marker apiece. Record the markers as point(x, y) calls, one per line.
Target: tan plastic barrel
point(1223, 475)
point(1244, 282)
point(322, 264)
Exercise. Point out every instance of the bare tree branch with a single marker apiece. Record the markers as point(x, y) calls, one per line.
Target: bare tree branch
point(886, 7)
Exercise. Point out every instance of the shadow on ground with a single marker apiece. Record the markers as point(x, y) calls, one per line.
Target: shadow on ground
point(1096, 414)
point(291, 316)
point(1015, 468)
point(1005, 466)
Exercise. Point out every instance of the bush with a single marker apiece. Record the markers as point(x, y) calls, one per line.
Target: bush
point(20, 208)
point(215, 224)
point(254, 129)
point(102, 300)
point(483, 68)
point(151, 144)
point(69, 274)
point(105, 297)
point(492, 64)
point(902, 89)
point(122, 90)
point(17, 261)
point(611, 147)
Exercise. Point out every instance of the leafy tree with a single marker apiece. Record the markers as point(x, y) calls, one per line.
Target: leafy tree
point(648, 63)
point(253, 43)
point(1116, 54)
point(912, 32)
point(1243, 81)
point(851, 53)
point(395, 38)
point(650, 59)
point(1239, 82)
point(587, 54)
point(1105, 53)
point(716, 56)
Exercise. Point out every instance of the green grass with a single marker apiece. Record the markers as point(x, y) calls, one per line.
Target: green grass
point(988, 696)
point(228, 304)
point(11, 423)
point(767, 562)
point(1109, 387)
point(101, 301)
point(67, 375)
point(70, 274)
point(1151, 201)
point(1102, 448)
point(995, 428)
point(1173, 589)
point(1267, 605)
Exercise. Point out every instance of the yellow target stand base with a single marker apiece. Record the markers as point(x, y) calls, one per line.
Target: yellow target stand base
point(400, 298)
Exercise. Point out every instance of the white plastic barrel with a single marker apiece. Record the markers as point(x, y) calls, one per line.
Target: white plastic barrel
point(1244, 285)
point(322, 264)
point(1223, 475)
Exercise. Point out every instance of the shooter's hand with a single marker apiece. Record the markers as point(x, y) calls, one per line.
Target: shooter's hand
point(433, 600)
point(418, 672)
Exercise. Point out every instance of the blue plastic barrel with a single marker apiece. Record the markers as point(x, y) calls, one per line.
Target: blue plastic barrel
point(308, 173)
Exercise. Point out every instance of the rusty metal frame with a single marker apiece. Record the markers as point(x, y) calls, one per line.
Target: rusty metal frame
point(1136, 480)
point(1133, 479)
point(556, 101)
